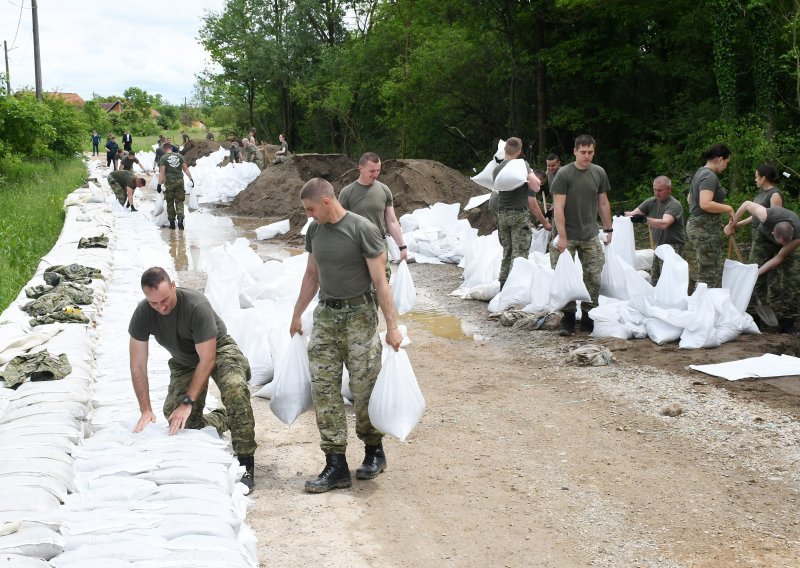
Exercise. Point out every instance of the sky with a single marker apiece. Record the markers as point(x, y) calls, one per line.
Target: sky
point(104, 47)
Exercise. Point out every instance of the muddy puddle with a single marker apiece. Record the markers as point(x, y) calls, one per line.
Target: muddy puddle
point(217, 229)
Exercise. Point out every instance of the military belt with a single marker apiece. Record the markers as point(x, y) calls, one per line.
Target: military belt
point(513, 209)
point(349, 302)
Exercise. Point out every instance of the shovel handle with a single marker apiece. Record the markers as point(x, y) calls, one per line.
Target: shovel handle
point(734, 246)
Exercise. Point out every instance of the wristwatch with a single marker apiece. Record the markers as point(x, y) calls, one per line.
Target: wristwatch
point(187, 400)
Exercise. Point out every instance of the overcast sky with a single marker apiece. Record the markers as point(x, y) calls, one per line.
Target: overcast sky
point(104, 47)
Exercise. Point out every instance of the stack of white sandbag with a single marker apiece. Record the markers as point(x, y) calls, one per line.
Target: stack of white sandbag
point(220, 185)
point(481, 264)
point(435, 235)
point(127, 495)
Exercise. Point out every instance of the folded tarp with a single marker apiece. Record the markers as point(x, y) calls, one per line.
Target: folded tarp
point(768, 365)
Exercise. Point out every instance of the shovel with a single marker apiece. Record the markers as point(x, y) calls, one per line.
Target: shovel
point(764, 312)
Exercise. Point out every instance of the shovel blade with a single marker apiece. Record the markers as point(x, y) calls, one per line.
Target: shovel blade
point(767, 315)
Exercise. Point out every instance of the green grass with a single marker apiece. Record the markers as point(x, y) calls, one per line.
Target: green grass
point(31, 216)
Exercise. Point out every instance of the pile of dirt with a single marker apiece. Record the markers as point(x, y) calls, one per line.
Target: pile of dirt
point(196, 149)
point(415, 184)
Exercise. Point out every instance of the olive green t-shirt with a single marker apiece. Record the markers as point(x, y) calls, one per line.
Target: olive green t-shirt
point(763, 198)
point(582, 188)
point(127, 163)
point(707, 180)
point(368, 201)
point(174, 166)
point(340, 251)
point(777, 215)
point(192, 321)
point(516, 198)
point(123, 178)
point(675, 233)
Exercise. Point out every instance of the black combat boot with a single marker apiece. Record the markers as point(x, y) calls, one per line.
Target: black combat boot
point(336, 475)
point(567, 324)
point(786, 325)
point(587, 323)
point(133, 208)
point(172, 225)
point(248, 479)
point(374, 462)
point(180, 224)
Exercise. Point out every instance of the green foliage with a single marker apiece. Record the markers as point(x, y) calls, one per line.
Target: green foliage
point(31, 198)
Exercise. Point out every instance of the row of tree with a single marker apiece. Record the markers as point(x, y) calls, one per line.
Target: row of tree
point(654, 82)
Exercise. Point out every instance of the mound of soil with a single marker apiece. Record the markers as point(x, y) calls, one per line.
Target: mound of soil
point(195, 149)
point(415, 184)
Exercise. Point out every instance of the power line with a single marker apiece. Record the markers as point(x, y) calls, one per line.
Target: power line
point(15, 5)
point(21, 8)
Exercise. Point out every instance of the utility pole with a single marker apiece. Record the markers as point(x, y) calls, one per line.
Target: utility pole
point(36, 55)
point(8, 75)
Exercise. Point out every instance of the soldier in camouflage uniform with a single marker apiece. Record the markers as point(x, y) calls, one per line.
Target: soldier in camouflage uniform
point(580, 192)
point(250, 152)
point(706, 207)
point(346, 265)
point(171, 168)
point(514, 212)
point(123, 183)
point(185, 324)
point(781, 227)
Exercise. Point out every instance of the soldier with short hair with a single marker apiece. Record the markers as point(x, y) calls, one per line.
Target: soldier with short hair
point(184, 323)
point(346, 265)
point(123, 183)
point(171, 168)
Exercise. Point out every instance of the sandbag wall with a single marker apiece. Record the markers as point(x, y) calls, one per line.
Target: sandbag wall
point(78, 487)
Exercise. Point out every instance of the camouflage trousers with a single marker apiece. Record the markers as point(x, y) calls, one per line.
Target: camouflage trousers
point(119, 192)
point(655, 271)
point(778, 287)
point(174, 195)
point(344, 336)
point(231, 373)
point(514, 230)
point(592, 260)
point(708, 240)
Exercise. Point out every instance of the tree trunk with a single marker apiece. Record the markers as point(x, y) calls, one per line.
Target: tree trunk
point(541, 89)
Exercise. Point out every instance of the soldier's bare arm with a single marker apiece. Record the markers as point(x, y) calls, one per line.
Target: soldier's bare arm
point(308, 289)
point(141, 386)
point(377, 271)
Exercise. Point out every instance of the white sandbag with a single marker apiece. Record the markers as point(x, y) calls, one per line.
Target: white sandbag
point(623, 244)
point(483, 292)
point(541, 284)
point(272, 230)
point(191, 202)
point(644, 259)
point(292, 394)
point(304, 230)
point(396, 405)
point(567, 283)
point(482, 260)
point(484, 178)
point(611, 329)
point(478, 200)
point(26, 499)
point(728, 321)
point(404, 294)
point(619, 279)
point(517, 289)
point(513, 175)
point(740, 279)
point(36, 541)
point(661, 332)
point(394, 250)
point(19, 561)
point(700, 332)
point(672, 287)
point(501, 150)
point(539, 241)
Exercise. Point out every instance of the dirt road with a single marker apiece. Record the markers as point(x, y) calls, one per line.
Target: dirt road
point(523, 460)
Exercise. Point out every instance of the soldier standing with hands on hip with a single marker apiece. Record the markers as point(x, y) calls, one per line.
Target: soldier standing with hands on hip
point(346, 265)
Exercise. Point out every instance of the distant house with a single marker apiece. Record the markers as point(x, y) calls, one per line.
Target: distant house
point(72, 98)
point(116, 106)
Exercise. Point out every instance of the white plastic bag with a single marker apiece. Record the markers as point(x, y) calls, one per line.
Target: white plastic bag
point(672, 287)
point(485, 178)
point(619, 279)
point(517, 289)
point(158, 205)
point(539, 241)
point(567, 283)
point(292, 381)
point(272, 230)
point(700, 332)
point(404, 294)
point(739, 279)
point(396, 404)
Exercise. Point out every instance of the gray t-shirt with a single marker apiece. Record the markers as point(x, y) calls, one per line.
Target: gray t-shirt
point(582, 188)
point(368, 201)
point(675, 233)
point(762, 198)
point(707, 180)
point(192, 321)
point(173, 164)
point(777, 215)
point(516, 198)
point(340, 251)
